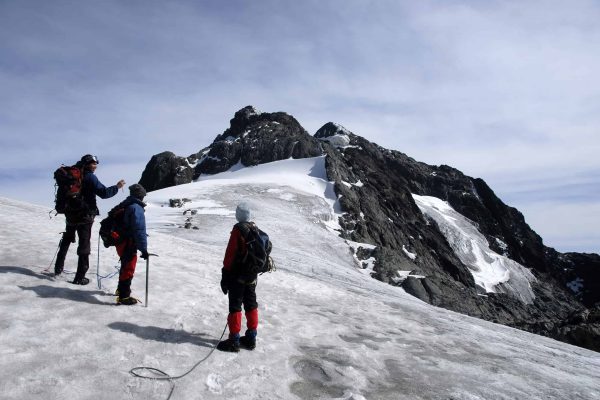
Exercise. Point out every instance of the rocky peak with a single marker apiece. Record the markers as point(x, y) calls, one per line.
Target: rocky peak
point(244, 117)
point(164, 170)
point(253, 137)
point(256, 137)
point(335, 134)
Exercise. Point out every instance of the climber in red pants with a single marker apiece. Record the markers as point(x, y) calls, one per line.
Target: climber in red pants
point(240, 284)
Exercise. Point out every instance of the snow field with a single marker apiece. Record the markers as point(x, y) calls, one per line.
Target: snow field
point(326, 330)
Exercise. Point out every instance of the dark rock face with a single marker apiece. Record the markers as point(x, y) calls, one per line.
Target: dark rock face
point(580, 272)
point(164, 170)
point(257, 138)
point(375, 187)
point(581, 328)
point(252, 138)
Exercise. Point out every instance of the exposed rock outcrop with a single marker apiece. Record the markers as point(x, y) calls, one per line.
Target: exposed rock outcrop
point(375, 187)
point(253, 138)
point(164, 170)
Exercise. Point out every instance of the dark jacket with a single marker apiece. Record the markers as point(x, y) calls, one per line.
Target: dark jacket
point(92, 187)
point(134, 223)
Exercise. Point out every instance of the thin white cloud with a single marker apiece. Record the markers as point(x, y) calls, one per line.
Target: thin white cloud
point(496, 89)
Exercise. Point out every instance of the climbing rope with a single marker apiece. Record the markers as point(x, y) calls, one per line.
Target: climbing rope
point(47, 270)
point(55, 253)
point(163, 376)
point(100, 278)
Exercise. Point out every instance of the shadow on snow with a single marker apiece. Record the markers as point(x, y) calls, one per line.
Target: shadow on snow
point(24, 271)
point(165, 335)
point(85, 296)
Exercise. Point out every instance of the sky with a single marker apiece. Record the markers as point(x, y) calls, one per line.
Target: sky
point(502, 90)
point(326, 329)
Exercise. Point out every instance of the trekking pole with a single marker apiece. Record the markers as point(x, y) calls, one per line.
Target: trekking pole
point(147, 276)
point(52, 261)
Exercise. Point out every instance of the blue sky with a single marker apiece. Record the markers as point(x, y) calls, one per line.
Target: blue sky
point(502, 90)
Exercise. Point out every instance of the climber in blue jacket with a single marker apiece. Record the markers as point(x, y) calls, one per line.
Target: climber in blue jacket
point(133, 238)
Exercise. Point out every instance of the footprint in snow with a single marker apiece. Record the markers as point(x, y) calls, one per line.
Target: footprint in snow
point(214, 382)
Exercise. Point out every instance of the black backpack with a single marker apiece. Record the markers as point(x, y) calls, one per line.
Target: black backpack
point(256, 260)
point(67, 196)
point(112, 227)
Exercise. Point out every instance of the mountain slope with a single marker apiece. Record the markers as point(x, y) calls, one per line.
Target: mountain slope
point(327, 330)
point(542, 290)
point(382, 211)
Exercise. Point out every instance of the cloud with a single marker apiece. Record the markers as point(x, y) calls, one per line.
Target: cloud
point(499, 90)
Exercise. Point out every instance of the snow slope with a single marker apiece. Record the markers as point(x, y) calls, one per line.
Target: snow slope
point(326, 329)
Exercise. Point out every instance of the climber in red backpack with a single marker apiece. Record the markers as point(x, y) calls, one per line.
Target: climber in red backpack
point(80, 220)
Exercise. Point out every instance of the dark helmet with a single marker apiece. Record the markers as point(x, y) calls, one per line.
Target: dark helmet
point(88, 159)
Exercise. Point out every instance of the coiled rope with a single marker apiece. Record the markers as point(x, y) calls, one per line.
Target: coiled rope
point(163, 376)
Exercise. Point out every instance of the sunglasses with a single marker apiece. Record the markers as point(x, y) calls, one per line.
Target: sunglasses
point(90, 159)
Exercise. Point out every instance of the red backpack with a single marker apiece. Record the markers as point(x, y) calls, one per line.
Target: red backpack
point(68, 198)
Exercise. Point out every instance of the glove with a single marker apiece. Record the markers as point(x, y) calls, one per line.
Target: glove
point(224, 287)
point(144, 254)
point(224, 280)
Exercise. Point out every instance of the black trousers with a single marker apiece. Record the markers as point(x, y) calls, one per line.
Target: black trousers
point(241, 293)
point(84, 233)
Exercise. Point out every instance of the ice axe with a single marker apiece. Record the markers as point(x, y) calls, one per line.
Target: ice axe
point(147, 275)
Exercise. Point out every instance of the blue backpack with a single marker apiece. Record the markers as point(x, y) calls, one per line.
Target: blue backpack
point(112, 227)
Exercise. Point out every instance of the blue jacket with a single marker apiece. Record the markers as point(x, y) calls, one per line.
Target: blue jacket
point(91, 187)
point(134, 222)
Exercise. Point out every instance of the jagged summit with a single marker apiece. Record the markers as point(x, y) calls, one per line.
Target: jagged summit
point(247, 117)
point(252, 138)
point(406, 244)
point(335, 134)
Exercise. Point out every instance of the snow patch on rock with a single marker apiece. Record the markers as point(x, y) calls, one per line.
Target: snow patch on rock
point(492, 271)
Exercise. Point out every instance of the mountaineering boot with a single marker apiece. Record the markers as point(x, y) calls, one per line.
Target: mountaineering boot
point(82, 267)
point(127, 301)
point(248, 341)
point(124, 288)
point(58, 270)
point(231, 345)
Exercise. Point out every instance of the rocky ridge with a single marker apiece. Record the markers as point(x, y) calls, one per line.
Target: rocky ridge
point(252, 138)
point(375, 187)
